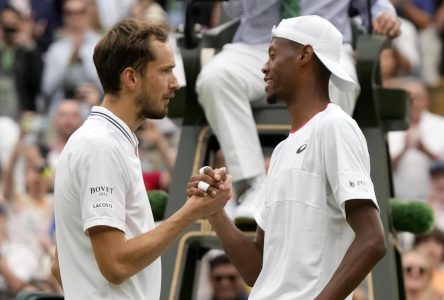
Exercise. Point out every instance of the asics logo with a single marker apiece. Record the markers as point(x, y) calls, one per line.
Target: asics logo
point(301, 148)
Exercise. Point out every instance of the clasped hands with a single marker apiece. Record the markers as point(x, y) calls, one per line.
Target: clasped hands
point(210, 190)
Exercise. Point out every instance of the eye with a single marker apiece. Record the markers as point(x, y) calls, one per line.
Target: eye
point(166, 71)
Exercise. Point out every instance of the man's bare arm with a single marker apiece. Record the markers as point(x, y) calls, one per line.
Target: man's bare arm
point(55, 268)
point(244, 253)
point(119, 258)
point(366, 250)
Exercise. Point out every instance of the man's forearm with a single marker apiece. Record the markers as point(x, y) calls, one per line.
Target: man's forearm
point(357, 263)
point(55, 269)
point(243, 252)
point(119, 259)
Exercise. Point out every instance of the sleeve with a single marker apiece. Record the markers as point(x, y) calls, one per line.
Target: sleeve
point(260, 201)
point(103, 187)
point(56, 61)
point(378, 8)
point(347, 162)
point(259, 209)
point(396, 142)
point(407, 45)
point(234, 8)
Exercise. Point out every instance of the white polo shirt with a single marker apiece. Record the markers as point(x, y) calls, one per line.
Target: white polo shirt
point(99, 182)
point(301, 206)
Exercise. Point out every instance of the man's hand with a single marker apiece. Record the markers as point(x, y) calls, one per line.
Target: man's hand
point(388, 25)
point(215, 178)
point(216, 196)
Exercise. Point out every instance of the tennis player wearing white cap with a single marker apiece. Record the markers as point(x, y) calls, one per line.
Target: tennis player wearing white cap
point(319, 230)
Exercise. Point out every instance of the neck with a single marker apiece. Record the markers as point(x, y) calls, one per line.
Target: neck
point(123, 109)
point(38, 197)
point(306, 102)
point(425, 293)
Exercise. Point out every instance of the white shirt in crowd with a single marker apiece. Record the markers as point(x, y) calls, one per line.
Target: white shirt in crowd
point(411, 178)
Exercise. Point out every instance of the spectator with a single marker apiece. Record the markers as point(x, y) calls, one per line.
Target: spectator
point(68, 62)
point(112, 11)
point(68, 117)
point(436, 195)
point(225, 280)
point(414, 150)
point(148, 10)
point(433, 244)
point(21, 65)
point(232, 79)
point(9, 132)
point(156, 148)
point(27, 250)
point(44, 16)
point(422, 13)
point(418, 276)
point(403, 58)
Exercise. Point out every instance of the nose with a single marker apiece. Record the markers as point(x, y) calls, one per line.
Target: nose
point(265, 68)
point(174, 84)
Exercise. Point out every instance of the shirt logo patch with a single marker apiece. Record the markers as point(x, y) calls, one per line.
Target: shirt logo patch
point(301, 148)
point(353, 183)
point(102, 190)
point(102, 205)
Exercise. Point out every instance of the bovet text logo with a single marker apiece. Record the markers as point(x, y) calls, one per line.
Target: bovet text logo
point(101, 190)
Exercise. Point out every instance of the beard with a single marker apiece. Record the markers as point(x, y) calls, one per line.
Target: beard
point(148, 108)
point(272, 98)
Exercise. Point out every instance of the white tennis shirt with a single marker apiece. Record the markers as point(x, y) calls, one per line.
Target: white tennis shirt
point(99, 182)
point(301, 206)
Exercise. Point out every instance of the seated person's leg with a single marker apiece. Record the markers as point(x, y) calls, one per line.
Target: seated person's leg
point(226, 86)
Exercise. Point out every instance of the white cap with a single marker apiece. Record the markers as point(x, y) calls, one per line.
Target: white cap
point(325, 40)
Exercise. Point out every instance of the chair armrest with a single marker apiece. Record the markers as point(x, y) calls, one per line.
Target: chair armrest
point(220, 35)
point(377, 106)
point(393, 108)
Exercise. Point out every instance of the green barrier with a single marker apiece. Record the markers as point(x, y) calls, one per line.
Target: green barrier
point(37, 296)
point(411, 216)
point(158, 201)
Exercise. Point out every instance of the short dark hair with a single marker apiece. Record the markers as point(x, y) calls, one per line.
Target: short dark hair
point(437, 168)
point(127, 44)
point(9, 7)
point(221, 259)
point(436, 235)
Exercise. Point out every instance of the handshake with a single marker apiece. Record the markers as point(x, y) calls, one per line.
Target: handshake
point(208, 192)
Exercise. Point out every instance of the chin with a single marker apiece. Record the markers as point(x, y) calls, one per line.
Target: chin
point(272, 99)
point(153, 114)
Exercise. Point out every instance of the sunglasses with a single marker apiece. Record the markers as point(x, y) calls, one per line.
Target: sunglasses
point(220, 278)
point(420, 270)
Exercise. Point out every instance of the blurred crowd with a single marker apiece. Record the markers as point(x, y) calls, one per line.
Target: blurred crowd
point(48, 83)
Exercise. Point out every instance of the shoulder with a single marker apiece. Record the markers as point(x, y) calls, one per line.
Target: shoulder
point(337, 126)
point(94, 138)
point(432, 118)
point(335, 118)
point(59, 44)
point(93, 37)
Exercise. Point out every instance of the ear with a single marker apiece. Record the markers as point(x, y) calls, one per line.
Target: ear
point(306, 54)
point(129, 78)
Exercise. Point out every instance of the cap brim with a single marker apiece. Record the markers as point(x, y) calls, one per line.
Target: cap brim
point(340, 78)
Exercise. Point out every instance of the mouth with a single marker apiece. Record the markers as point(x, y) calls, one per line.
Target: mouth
point(169, 97)
point(268, 83)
